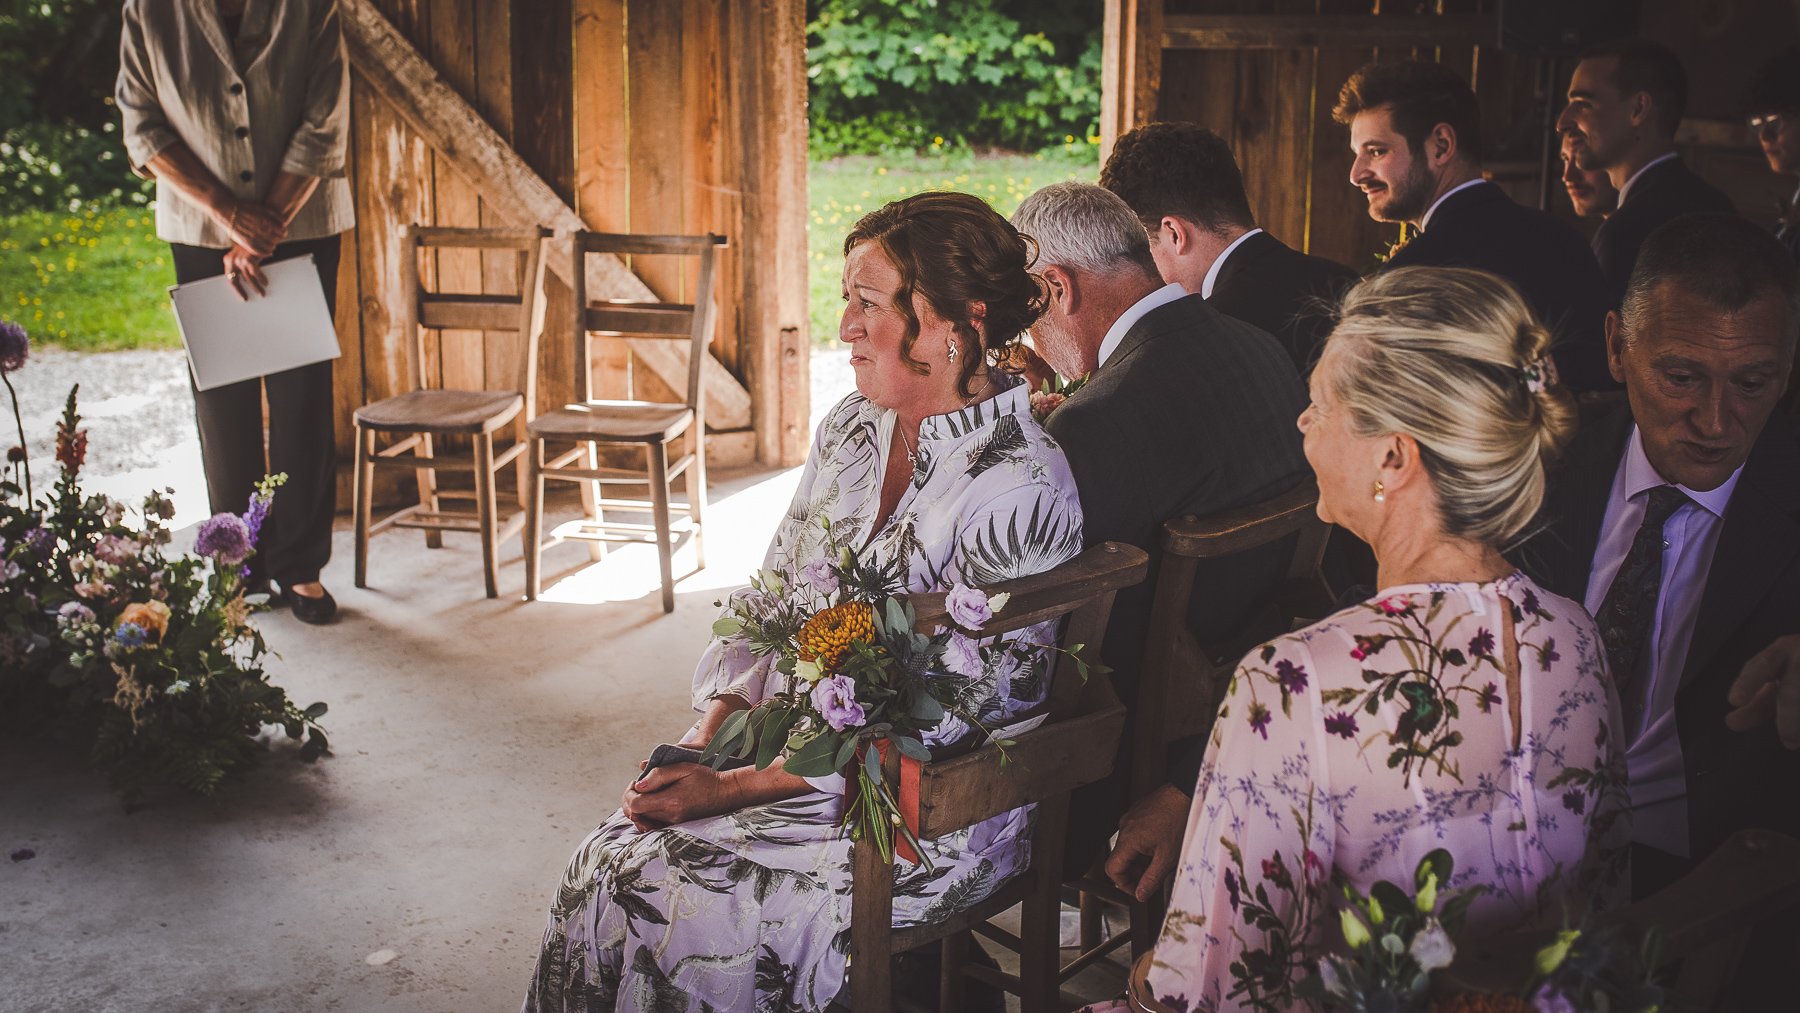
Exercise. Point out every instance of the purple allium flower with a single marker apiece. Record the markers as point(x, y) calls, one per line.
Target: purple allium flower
point(225, 538)
point(130, 635)
point(15, 347)
point(1482, 644)
point(967, 606)
point(1292, 676)
point(962, 655)
point(820, 577)
point(1259, 720)
point(40, 540)
point(1341, 724)
point(835, 699)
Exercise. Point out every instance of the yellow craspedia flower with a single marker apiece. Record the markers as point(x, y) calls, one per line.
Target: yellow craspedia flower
point(826, 637)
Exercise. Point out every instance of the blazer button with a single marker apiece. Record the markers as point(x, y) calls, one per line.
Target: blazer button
point(237, 89)
point(246, 175)
point(243, 132)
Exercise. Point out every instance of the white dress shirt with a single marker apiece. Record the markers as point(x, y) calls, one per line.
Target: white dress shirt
point(1212, 273)
point(1653, 753)
point(1626, 189)
point(1116, 333)
point(1425, 222)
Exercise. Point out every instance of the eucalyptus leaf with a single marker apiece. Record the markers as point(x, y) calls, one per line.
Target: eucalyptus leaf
point(814, 758)
point(727, 627)
point(912, 747)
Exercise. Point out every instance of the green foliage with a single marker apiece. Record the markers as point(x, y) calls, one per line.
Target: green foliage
point(95, 280)
point(59, 141)
point(917, 74)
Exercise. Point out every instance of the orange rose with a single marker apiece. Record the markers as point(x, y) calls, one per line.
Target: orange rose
point(152, 617)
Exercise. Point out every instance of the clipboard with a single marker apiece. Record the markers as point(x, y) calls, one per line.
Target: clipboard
point(229, 339)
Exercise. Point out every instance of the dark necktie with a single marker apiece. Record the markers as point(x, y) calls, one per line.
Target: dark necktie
point(1628, 614)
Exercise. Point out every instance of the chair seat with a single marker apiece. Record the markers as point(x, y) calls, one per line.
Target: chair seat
point(614, 421)
point(442, 411)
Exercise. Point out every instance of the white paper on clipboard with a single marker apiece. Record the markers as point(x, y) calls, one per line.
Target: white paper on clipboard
point(229, 339)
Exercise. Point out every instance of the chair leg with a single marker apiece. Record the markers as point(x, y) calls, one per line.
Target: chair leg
point(951, 980)
point(428, 487)
point(485, 510)
point(591, 493)
point(659, 506)
point(534, 519)
point(696, 491)
point(521, 470)
point(1041, 917)
point(1093, 918)
point(362, 480)
point(871, 931)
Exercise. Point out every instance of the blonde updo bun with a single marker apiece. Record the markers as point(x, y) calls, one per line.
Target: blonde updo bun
point(1446, 355)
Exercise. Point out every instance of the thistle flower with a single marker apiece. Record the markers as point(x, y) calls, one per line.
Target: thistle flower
point(15, 347)
point(130, 635)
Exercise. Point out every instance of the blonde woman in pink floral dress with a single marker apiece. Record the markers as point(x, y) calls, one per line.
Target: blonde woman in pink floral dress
point(1463, 707)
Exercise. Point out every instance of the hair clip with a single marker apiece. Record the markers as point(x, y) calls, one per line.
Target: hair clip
point(1539, 374)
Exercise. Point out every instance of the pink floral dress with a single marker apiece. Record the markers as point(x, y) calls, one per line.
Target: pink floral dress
point(1365, 741)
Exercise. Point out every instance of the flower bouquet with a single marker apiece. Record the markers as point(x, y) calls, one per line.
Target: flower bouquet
point(860, 677)
point(149, 654)
point(1051, 395)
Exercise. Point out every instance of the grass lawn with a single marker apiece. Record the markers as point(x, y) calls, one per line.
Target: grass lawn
point(95, 281)
point(843, 189)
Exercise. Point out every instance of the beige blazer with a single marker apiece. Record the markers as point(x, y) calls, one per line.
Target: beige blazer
point(278, 98)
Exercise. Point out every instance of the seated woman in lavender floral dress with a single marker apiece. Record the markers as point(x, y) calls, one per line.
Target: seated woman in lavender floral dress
point(731, 891)
point(1462, 707)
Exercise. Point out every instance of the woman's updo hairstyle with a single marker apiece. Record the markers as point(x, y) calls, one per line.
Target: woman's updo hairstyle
point(1453, 358)
point(953, 249)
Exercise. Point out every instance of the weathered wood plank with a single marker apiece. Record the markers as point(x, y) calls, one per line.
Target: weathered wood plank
point(385, 60)
point(656, 37)
point(492, 98)
point(461, 356)
point(1131, 56)
point(602, 154)
point(1346, 31)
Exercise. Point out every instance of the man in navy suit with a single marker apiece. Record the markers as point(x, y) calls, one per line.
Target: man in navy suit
point(1625, 101)
point(1181, 181)
point(1415, 131)
point(1675, 520)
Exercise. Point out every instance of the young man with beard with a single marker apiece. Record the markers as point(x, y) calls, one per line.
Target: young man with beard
point(1415, 131)
point(1625, 101)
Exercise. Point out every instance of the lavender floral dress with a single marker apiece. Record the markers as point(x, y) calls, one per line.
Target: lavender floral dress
point(750, 911)
point(1364, 742)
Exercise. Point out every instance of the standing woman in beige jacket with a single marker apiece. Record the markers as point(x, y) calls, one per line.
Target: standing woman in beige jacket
point(239, 109)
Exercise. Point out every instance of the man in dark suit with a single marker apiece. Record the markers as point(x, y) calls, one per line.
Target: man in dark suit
point(1625, 101)
point(1415, 132)
point(1675, 520)
point(1183, 184)
point(1186, 410)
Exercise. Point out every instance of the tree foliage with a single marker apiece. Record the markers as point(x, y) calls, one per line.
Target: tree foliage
point(1019, 74)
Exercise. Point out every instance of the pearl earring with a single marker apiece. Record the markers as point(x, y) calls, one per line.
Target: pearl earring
point(1380, 493)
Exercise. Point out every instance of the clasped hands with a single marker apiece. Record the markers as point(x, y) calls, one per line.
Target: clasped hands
point(677, 793)
point(256, 230)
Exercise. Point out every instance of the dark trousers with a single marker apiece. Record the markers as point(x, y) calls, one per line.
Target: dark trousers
point(296, 539)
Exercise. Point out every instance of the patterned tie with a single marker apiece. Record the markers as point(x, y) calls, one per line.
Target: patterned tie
point(1628, 614)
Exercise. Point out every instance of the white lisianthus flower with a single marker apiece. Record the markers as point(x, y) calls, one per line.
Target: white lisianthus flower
point(996, 602)
point(1432, 947)
point(808, 672)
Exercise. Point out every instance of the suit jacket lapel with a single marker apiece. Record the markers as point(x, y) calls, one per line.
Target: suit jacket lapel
point(1760, 538)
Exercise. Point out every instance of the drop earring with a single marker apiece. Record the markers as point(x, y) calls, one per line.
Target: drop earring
point(1380, 493)
point(950, 344)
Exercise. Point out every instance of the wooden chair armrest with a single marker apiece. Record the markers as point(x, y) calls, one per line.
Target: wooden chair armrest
point(1048, 760)
point(1109, 566)
point(1234, 531)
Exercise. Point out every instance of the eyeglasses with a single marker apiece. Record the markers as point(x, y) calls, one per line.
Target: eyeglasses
point(1775, 120)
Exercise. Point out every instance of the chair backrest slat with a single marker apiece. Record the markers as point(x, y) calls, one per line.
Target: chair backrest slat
point(693, 321)
point(523, 312)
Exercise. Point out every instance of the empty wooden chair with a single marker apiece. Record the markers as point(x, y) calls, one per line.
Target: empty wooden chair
point(654, 426)
point(1182, 680)
point(1074, 746)
point(426, 414)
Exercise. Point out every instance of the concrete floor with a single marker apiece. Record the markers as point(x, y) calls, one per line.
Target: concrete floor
point(475, 742)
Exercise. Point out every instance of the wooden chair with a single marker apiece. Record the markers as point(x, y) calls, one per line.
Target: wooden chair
point(651, 425)
point(424, 414)
point(1182, 680)
point(1704, 920)
point(1074, 746)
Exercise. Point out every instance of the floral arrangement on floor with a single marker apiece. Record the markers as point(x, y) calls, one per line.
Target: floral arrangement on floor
point(860, 676)
point(149, 654)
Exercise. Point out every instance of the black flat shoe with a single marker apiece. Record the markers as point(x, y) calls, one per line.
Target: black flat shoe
point(316, 611)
